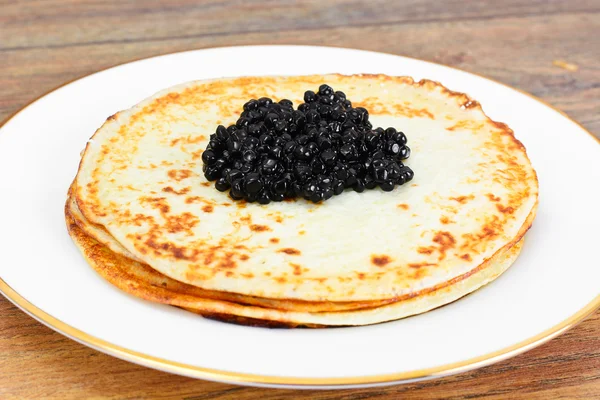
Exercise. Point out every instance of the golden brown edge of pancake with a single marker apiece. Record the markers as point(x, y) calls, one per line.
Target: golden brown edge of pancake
point(280, 322)
point(184, 289)
point(99, 256)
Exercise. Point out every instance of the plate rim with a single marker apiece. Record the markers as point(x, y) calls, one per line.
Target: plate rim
point(283, 381)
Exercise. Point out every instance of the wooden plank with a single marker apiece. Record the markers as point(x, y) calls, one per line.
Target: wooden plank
point(56, 23)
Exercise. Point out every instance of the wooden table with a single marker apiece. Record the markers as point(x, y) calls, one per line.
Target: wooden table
point(548, 48)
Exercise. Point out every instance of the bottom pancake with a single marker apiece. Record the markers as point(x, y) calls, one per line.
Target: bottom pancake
point(142, 281)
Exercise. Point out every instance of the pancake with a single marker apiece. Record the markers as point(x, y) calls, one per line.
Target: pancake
point(141, 281)
point(146, 219)
point(140, 179)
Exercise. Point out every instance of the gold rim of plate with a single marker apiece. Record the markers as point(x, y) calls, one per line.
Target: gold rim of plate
point(236, 377)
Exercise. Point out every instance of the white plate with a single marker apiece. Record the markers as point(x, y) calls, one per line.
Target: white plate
point(554, 283)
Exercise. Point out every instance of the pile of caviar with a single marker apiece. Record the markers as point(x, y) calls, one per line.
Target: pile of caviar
point(274, 152)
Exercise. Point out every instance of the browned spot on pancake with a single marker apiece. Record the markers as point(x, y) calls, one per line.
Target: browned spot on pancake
point(244, 257)
point(267, 273)
point(181, 223)
point(463, 199)
point(425, 250)
point(420, 265)
point(205, 184)
point(159, 203)
point(413, 112)
point(403, 206)
point(128, 187)
point(228, 274)
point(209, 256)
point(246, 219)
point(466, 257)
point(227, 261)
point(139, 220)
point(179, 174)
point(241, 204)
point(281, 279)
point(193, 199)
point(277, 216)
point(207, 208)
point(274, 240)
point(248, 275)
point(297, 268)
point(505, 210)
point(492, 197)
point(487, 232)
point(477, 242)
point(177, 252)
point(195, 139)
point(169, 189)
point(361, 276)
point(446, 241)
point(301, 232)
point(380, 260)
point(290, 251)
point(93, 187)
point(418, 273)
point(376, 106)
point(197, 154)
point(174, 142)
point(445, 220)
point(466, 125)
point(259, 228)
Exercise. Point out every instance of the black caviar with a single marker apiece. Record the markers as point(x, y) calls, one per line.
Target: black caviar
point(274, 152)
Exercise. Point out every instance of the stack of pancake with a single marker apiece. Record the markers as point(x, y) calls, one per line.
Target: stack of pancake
point(147, 220)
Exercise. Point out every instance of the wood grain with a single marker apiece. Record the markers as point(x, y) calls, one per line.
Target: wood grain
point(44, 44)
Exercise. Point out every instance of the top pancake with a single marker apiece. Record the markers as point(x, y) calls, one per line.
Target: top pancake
point(141, 179)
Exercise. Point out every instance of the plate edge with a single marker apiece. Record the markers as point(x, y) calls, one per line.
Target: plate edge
point(283, 381)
